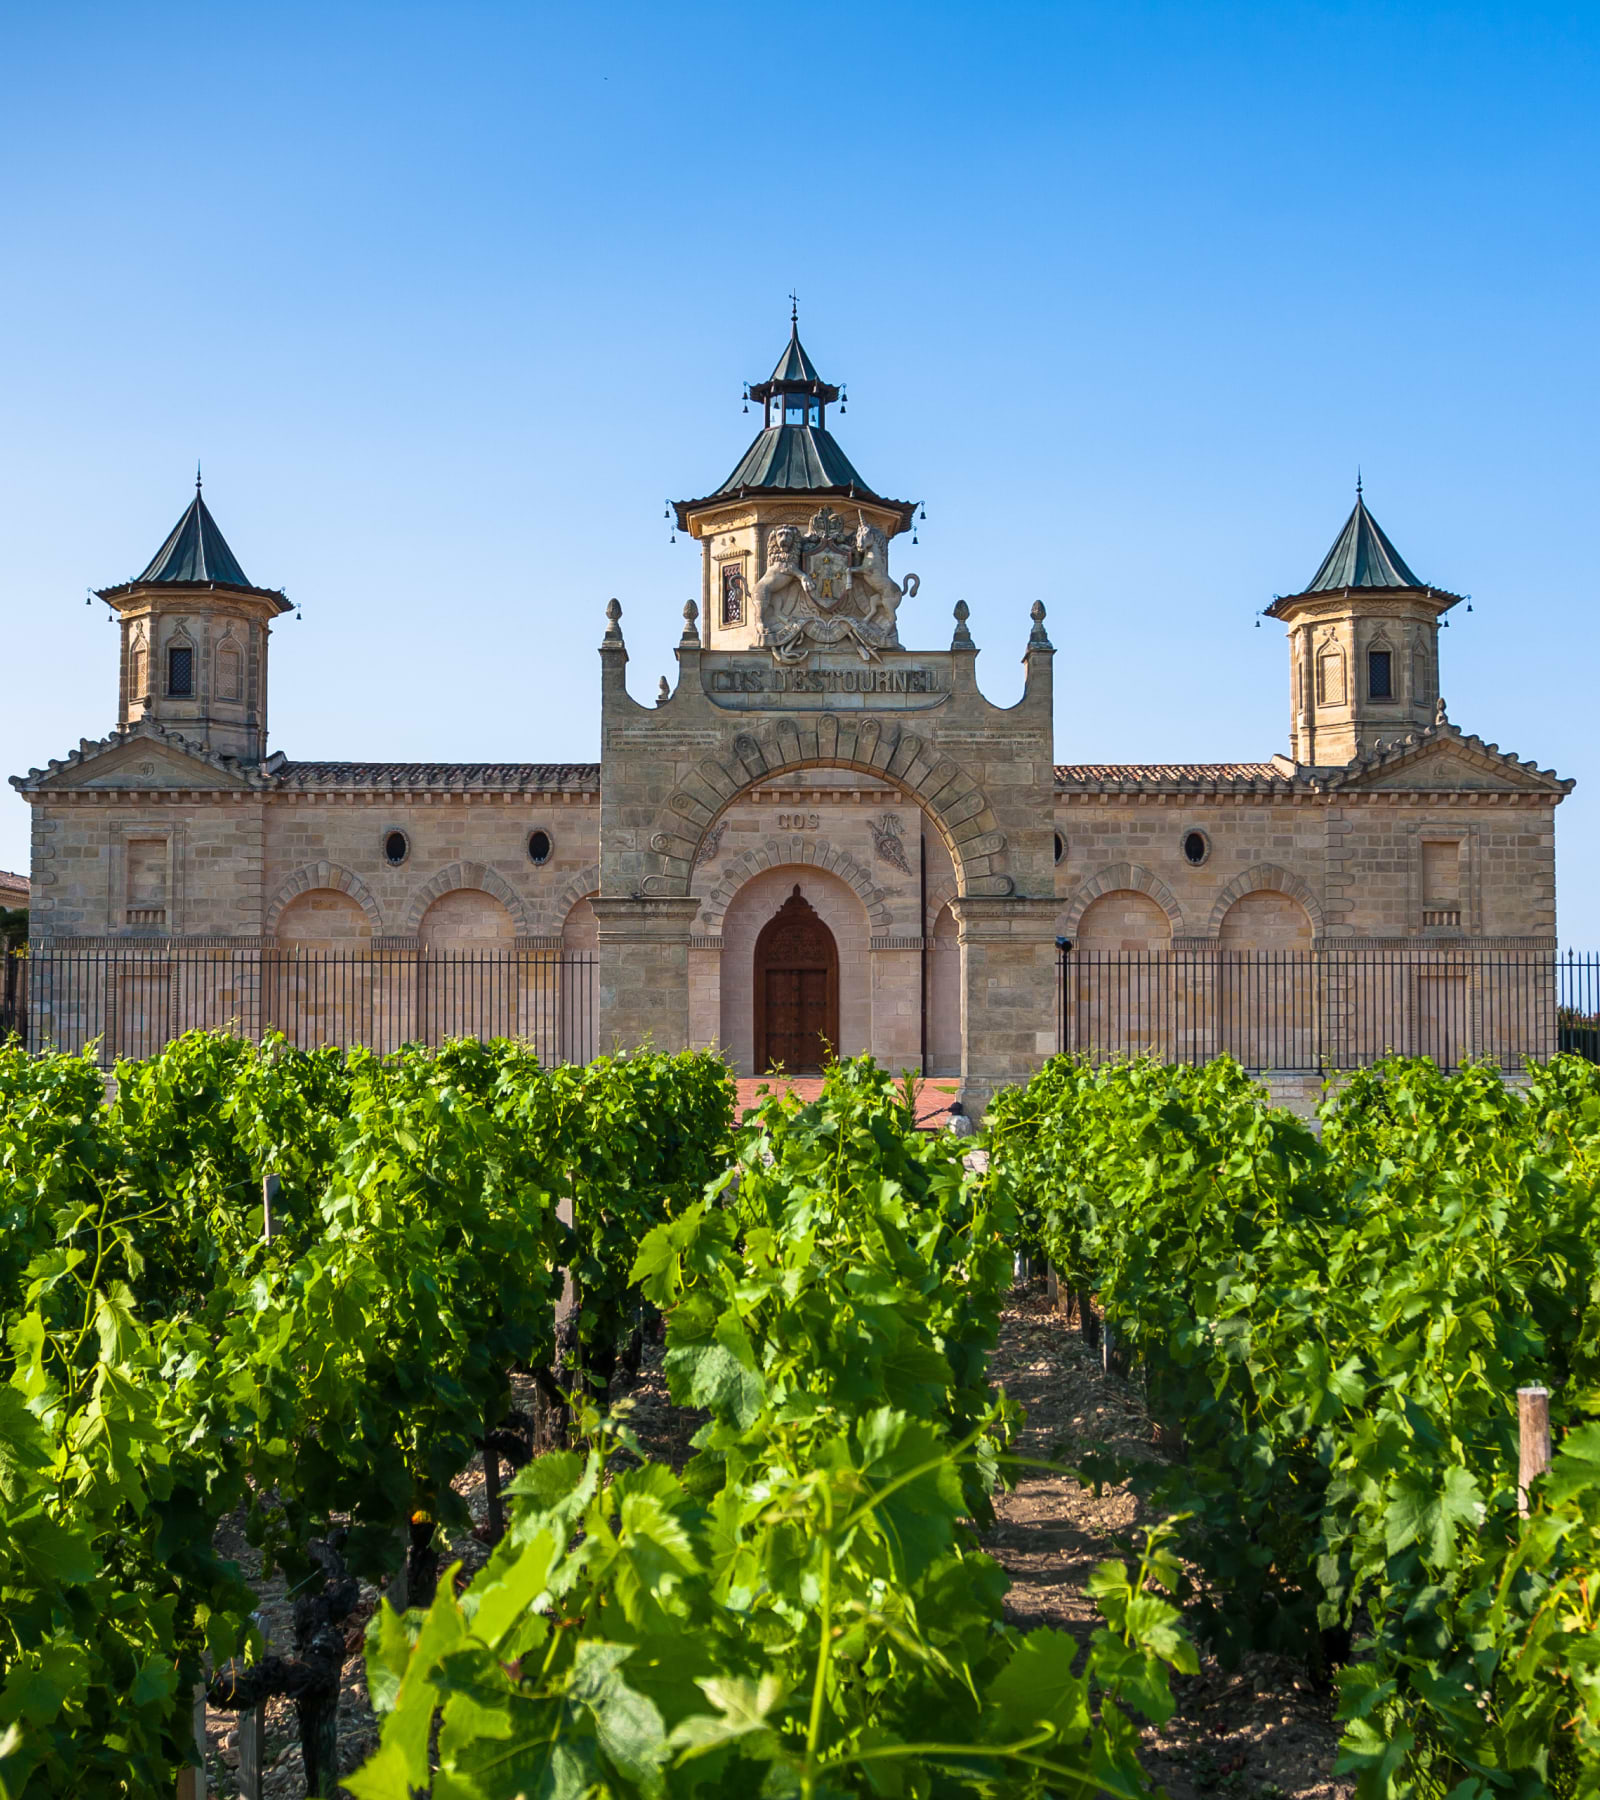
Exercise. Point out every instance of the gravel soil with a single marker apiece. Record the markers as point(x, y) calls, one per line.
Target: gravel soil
point(1258, 1733)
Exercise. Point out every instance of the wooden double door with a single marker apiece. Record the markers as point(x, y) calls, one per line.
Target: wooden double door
point(796, 991)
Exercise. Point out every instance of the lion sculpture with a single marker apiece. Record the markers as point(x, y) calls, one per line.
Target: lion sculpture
point(783, 584)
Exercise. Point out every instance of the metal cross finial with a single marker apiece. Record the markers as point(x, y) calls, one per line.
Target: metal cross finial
point(794, 308)
point(197, 475)
point(1358, 481)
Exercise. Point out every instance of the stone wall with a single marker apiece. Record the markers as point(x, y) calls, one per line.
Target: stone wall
point(1352, 865)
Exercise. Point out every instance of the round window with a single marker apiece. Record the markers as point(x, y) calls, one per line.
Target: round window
point(539, 847)
point(1196, 847)
point(1061, 847)
point(396, 848)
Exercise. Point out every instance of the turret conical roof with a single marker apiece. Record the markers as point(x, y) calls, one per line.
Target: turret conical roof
point(196, 551)
point(1362, 557)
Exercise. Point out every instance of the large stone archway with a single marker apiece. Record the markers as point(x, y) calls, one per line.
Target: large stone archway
point(744, 724)
point(946, 793)
point(756, 904)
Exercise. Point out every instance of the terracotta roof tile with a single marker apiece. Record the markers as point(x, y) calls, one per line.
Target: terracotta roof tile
point(1078, 774)
point(493, 776)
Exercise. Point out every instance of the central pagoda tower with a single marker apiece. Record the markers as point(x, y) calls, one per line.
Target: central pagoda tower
point(792, 472)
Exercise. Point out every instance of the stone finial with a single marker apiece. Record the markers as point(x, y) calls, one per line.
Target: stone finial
point(613, 629)
point(1038, 638)
point(663, 693)
point(691, 634)
point(1439, 715)
point(963, 638)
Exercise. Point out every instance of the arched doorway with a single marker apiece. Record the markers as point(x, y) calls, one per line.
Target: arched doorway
point(796, 990)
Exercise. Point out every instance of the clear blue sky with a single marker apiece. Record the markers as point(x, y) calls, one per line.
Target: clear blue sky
point(449, 299)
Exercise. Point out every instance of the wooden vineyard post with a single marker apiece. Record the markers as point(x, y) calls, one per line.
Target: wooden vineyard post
point(271, 1188)
point(1533, 1433)
point(1088, 1324)
point(491, 1489)
point(253, 1728)
point(192, 1782)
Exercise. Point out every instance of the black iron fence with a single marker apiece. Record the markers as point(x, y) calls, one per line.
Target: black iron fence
point(133, 1002)
point(1330, 1009)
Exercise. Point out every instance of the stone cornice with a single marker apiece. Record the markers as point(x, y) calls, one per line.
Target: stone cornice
point(1242, 780)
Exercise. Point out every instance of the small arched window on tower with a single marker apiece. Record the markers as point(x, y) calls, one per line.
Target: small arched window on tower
point(180, 670)
point(1330, 676)
point(230, 671)
point(138, 665)
point(733, 593)
point(1380, 674)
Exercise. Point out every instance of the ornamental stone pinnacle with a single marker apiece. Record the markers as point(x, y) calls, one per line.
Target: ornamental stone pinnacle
point(1037, 638)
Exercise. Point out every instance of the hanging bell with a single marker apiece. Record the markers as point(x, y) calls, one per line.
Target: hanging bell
point(913, 534)
point(1469, 606)
point(299, 617)
point(844, 402)
point(674, 537)
point(924, 515)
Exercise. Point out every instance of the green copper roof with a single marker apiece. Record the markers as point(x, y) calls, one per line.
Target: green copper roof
point(196, 551)
point(1362, 557)
point(794, 364)
point(794, 457)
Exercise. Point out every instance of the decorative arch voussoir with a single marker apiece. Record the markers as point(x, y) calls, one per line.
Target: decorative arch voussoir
point(1120, 878)
point(458, 876)
point(1273, 878)
point(957, 806)
point(323, 875)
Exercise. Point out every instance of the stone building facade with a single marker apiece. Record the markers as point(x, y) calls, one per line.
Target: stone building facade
point(816, 836)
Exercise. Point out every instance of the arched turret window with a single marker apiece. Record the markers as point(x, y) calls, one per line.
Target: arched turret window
point(230, 671)
point(180, 670)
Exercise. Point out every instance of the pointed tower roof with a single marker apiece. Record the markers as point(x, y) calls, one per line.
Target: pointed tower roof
point(795, 458)
point(195, 551)
point(795, 370)
point(1362, 557)
point(196, 554)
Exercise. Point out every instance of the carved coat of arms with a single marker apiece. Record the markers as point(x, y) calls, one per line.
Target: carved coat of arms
point(826, 586)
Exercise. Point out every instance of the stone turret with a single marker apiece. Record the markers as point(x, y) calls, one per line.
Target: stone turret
point(1363, 648)
point(194, 641)
point(794, 472)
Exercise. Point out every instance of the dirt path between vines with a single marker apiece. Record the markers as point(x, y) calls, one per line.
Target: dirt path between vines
point(1258, 1734)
